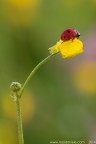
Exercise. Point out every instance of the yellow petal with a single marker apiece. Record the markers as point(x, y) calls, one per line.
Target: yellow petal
point(67, 48)
point(71, 48)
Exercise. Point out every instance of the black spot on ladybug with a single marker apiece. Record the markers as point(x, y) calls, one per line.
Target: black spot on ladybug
point(68, 31)
point(73, 35)
point(64, 36)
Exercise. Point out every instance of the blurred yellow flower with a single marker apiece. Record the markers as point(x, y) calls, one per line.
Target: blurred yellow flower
point(20, 12)
point(93, 1)
point(68, 48)
point(71, 3)
point(27, 106)
point(84, 77)
point(8, 133)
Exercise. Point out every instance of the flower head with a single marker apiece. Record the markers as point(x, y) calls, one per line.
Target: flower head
point(68, 48)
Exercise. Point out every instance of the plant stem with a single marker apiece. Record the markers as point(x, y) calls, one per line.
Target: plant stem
point(15, 86)
point(19, 122)
point(33, 72)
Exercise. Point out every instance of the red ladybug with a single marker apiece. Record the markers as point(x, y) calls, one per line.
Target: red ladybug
point(69, 34)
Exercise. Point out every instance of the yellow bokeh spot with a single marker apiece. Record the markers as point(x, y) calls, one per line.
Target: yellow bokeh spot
point(21, 12)
point(71, 3)
point(93, 1)
point(27, 107)
point(85, 77)
point(68, 48)
point(8, 133)
point(21, 3)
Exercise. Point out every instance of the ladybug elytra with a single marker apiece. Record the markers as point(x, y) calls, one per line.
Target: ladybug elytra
point(69, 34)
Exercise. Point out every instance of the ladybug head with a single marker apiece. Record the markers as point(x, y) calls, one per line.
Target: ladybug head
point(78, 33)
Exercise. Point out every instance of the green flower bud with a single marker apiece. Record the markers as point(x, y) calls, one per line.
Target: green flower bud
point(15, 86)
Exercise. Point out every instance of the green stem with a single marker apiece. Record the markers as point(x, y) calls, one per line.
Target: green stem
point(19, 122)
point(33, 72)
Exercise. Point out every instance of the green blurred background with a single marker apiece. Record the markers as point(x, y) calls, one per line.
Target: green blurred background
point(60, 101)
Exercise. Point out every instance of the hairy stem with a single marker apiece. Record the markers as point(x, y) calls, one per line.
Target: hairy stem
point(19, 122)
point(33, 72)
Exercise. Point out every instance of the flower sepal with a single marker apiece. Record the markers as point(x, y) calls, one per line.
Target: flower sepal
point(55, 49)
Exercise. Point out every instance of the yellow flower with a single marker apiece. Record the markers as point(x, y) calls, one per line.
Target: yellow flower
point(67, 48)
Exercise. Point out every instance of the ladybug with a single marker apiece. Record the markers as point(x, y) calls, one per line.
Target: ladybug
point(69, 34)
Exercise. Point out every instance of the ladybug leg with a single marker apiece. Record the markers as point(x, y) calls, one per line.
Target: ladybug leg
point(78, 37)
point(72, 39)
